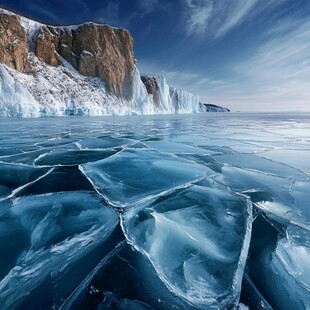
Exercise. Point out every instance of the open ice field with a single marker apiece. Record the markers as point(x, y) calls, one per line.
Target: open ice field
point(206, 211)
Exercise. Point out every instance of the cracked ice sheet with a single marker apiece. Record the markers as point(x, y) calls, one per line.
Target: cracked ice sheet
point(197, 248)
point(103, 143)
point(176, 148)
point(294, 158)
point(132, 175)
point(14, 176)
point(72, 157)
point(260, 164)
point(286, 270)
point(282, 199)
point(59, 229)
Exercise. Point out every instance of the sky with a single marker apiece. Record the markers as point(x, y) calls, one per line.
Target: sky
point(247, 55)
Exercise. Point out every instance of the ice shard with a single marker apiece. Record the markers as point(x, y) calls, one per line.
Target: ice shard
point(132, 175)
point(197, 240)
point(60, 231)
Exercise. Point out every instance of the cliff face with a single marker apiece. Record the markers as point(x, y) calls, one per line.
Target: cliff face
point(13, 42)
point(152, 88)
point(94, 50)
point(168, 99)
point(78, 70)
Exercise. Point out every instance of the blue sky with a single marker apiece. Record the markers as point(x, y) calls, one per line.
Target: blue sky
point(248, 55)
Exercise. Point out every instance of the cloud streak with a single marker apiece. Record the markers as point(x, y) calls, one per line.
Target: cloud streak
point(216, 18)
point(276, 77)
point(197, 16)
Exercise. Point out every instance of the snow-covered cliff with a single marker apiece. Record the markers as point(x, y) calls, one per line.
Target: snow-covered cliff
point(78, 70)
point(168, 99)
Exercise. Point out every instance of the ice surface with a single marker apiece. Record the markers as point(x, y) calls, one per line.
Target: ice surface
point(295, 158)
point(132, 175)
point(183, 188)
point(124, 278)
point(72, 157)
point(279, 264)
point(58, 230)
point(13, 177)
point(198, 249)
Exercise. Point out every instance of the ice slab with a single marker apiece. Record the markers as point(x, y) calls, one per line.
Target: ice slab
point(104, 143)
point(60, 179)
point(197, 240)
point(279, 264)
point(132, 175)
point(26, 158)
point(59, 231)
point(175, 148)
point(294, 158)
point(12, 177)
point(283, 199)
point(72, 157)
point(259, 164)
point(124, 279)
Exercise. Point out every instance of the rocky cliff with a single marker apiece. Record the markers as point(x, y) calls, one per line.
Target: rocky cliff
point(13, 42)
point(77, 70)
point(167, 98)
point(94, 50)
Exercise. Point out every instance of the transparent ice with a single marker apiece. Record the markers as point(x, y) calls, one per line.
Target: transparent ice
point(204, 211)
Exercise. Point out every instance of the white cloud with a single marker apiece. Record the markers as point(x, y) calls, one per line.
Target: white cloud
point(198, 16)
point(276, 77)
point(215, 18)
point(235, 16)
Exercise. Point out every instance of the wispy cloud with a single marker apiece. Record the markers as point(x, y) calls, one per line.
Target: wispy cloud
point(237, 13)
point(197, 16)
point(215, 18)
point(276, 77)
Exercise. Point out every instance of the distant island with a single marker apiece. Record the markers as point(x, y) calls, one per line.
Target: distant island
point(214, 108)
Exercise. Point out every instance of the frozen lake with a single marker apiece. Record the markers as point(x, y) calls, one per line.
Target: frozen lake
point(195, 211)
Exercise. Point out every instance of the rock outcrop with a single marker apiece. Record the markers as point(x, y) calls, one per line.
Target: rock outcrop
point(94, 50)
point(208, 107)
point(152, 88)
point(36, 78)
point(13, 42)
point(45, 47)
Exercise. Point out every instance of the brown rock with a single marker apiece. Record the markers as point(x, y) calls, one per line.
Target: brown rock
point(87, 64)
point(46, 43)
point(111, 50)
point(152, 88)
point(95, 51)
point(13, 42)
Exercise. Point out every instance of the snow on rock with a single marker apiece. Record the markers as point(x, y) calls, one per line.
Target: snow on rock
point(169, 100)
point(60, 78)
